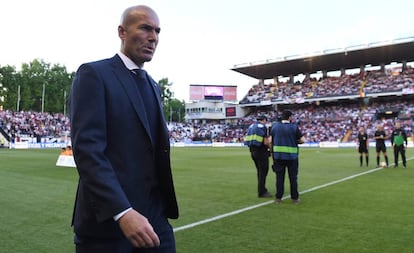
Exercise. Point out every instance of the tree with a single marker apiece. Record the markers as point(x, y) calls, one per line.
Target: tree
point(8, 83)
point(166, 93)
point(58, 88)
point(40, 87)
point(174, 109)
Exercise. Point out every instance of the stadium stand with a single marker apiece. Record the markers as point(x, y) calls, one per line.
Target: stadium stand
point(33, 126)
point(328, 108)
point(320, 121)
point(372, 82)
point(324, 122)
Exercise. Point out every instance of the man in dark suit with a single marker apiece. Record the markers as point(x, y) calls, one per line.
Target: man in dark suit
point(121, 148)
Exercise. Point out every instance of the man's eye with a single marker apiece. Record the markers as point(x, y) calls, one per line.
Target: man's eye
point(148, 28)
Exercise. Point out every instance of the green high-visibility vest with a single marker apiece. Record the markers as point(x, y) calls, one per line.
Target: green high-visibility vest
point(285, 149)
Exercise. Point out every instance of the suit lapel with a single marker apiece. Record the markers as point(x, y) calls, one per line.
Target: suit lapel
point(129, 85)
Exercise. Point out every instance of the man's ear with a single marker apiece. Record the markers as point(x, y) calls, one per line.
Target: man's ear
point(121, 31)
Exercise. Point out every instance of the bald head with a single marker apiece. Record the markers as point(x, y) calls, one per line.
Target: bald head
point(139, 31)
point(131, 13)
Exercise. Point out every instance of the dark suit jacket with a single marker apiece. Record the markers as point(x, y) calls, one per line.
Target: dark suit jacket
point(118, 164)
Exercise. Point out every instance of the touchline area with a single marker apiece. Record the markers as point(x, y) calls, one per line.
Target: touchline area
point(222, 216)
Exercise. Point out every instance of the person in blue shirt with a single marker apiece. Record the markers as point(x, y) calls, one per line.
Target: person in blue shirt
point(285, 137)
point(257, 141)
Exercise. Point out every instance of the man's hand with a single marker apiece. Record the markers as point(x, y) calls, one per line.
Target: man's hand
point(138, 230)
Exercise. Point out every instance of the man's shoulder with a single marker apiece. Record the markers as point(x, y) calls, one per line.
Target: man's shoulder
point(103, 63)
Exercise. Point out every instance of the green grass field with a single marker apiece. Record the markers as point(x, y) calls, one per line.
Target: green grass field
point(372, 212)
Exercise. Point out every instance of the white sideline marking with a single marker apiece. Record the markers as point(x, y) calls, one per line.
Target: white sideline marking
point(221, 216)
point(218, 217)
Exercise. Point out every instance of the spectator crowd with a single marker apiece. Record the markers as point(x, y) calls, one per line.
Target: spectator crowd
point(367, 82)
point(28, 124)
point(333, 123)
point(318, 121)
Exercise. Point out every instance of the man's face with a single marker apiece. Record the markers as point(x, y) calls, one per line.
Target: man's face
point(140, 36)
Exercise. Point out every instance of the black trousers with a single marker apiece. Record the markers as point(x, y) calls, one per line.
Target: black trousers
point(292, 167)
point(260, 158)
point(399, 149)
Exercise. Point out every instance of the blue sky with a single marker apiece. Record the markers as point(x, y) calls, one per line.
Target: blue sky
point(200, 40)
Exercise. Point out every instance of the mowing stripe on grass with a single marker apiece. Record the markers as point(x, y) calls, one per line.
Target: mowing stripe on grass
point(218, 217)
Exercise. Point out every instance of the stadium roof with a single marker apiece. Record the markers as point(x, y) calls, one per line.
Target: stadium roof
point(374, 54)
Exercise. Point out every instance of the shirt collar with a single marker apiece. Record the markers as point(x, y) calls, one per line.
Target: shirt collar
point(285, 121)
point(128, 62)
